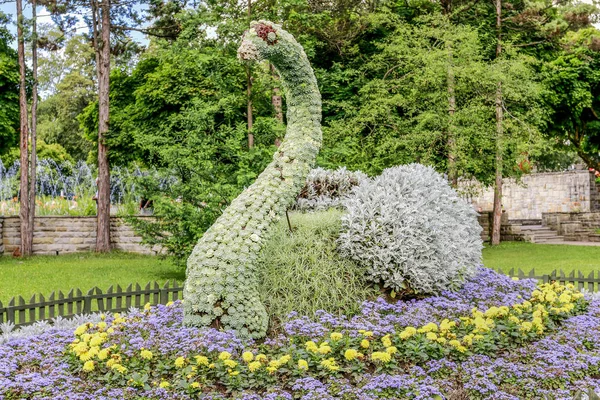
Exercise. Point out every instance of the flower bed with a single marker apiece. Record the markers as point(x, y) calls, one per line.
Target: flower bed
point(495, 338)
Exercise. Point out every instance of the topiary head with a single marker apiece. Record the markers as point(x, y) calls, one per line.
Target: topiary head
point(264, 40)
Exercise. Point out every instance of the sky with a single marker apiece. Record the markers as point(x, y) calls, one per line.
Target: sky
point(44, 18)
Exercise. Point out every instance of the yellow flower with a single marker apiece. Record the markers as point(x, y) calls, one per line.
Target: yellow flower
point(147, 306)
point(336, 336)
point(81, 329)
point(303, 365)
point(101, 325)
point(195, 385)
point(224, 355)
point(233, 373)
point(364, 344)
point(381, 356)
point(551, 297)
point(468, 340)
point(119, 368)
point(230, 363)
point(271, 370)
point(254, 366)
point(311, 346)
point(261, 357)
point(514, 319)
point(201, 360)
point(324, 348)
point(103, 354)
point(85, 356)
point(441, 340)
point(147, 354)
point(565, 297)
point(386, 341)
point(446, 325)
point(211, 365)
point(247, 356)
point(330, 364)
point(491, 312)
point(284, 359)
point(431, 336)
point(392, 349)
point(81, 347)
point(351, 354)
point(430, 327)
point(88, 366)
point(96, 341)
point(454, 343)
point(164, 384)
point(180, 362)
point(526, 326)
point(408, 332)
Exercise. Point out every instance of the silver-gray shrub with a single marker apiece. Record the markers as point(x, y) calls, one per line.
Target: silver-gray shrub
point(411, 231)
point(325, 188)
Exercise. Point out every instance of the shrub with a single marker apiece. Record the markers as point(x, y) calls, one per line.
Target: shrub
point(324, 188)
point(411, 231)
point(304, 272)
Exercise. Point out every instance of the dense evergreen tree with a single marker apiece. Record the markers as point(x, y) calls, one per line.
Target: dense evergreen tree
point(9, 89)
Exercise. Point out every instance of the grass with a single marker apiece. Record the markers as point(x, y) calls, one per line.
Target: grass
point(303, 272)
point(44, 274)
point(543, 257)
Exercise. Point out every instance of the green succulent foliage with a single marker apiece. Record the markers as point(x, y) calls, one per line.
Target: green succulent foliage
point(221, 283)
point(412, 231)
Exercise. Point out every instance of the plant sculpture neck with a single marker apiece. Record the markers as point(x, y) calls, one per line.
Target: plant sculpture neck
point(221, 285)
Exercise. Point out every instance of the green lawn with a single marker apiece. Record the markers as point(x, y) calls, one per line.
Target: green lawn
point(543, 257)
point(44, 274)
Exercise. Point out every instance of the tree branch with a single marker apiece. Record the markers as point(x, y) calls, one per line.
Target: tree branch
point(147, 31)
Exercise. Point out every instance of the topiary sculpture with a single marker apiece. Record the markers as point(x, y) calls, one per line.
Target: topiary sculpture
point(411, 231)
point(221, 284)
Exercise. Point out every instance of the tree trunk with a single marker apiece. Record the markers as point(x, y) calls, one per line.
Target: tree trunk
point(34, 105)
point(26, 239)
point(497, 214)
point(276, 101)
point(451, 139)
point(249, 89)
point(103, 221)
point(250, 118)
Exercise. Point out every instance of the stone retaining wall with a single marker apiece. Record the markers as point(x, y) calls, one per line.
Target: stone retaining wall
point(508, 231)
point(571, 191)
point(59, 235)
point(574, 226)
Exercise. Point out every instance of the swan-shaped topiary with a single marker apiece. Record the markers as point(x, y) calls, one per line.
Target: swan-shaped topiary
point(221, 284)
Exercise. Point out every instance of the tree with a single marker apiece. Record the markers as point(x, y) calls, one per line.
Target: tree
point(104, 17)
point(26, 227)
point(34, 112)
point(9, 89)
point(497, 211)
point(573, 82)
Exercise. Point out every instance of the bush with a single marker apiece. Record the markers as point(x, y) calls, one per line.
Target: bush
point(303, 271)
point(325, 187)
point(412, 232)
